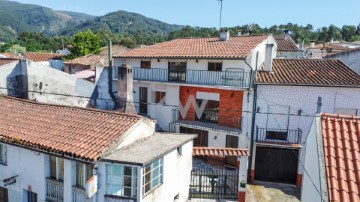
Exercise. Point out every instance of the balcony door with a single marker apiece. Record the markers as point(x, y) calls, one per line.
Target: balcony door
point(231, 142)
point(3, 195)
point(143, 100)
point(211, 111)
point(177, 71)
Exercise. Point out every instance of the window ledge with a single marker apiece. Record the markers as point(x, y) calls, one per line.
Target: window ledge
point(118, 197)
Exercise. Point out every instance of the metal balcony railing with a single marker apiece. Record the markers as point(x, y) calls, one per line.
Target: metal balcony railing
point(210, 117)
point(54, 190)
point(279, 136)
point(230, 77)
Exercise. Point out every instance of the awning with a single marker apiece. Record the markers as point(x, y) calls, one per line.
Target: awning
point(223, 152)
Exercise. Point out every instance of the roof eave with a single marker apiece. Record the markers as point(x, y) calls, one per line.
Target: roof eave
point(201, 58)
point(309, 85)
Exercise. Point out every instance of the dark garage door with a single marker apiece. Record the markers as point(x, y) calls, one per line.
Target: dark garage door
point(276, 164)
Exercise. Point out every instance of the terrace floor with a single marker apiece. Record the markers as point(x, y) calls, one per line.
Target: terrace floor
point(269, 191)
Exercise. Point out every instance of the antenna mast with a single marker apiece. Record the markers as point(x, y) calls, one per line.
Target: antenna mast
point(221, 1)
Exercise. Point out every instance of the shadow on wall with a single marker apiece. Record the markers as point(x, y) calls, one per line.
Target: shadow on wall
point(33, 81)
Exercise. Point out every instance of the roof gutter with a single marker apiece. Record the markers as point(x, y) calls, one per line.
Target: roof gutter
point(307, 85)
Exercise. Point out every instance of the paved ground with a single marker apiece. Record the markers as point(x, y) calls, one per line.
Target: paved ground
point(268, 192)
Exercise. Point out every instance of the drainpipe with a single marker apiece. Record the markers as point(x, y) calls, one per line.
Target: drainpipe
point(110, 75)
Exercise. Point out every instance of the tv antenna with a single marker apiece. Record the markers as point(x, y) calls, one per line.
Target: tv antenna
point(221, 3)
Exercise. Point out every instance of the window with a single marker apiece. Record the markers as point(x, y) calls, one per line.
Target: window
point(4, 195)
point(115, 72)
point(152, 175)
point(177, 71)
point(145, 64)
point(159, 96)
point(57, 168)
point(121, 180)
point(215, 66)
point(211, 111)
point(3, 154)
point(31, 196)
point(83, 173)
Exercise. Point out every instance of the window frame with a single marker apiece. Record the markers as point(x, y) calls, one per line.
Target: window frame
point(148, 66)
point(215, 66)
point(3, 154)
point(134, 181)
point(160, 176)
point(158, 96)
point(58, 169)
point(85, 173)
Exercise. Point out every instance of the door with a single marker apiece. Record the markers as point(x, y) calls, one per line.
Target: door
point(143, 100)
point(231, 142)
point(3, 195)
point(202, 136)
point(276, 164)
point(177, 71)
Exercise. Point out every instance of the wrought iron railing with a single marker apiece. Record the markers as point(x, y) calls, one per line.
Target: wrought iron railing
point(280, 136)
point(230, 77)
point(54, 190)
point(79, 195)
point(216, 117)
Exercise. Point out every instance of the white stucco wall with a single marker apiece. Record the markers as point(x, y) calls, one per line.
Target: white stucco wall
point(305, 99)
point(311, 182)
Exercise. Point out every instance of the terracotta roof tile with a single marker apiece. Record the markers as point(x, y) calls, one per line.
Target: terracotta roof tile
point(235, 47)
point(4, 61)
point(70, 131)
point(287, 44)
point(325, 72)
point(208, 151)
point(42, 57)
point(341, 138)
point(89, 60)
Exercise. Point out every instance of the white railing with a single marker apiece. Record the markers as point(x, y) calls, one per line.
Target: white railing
point(54, 190)
point(79, 195)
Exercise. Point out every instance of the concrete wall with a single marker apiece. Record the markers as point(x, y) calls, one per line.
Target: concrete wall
point(289, 54)
point(350, 58)
point(305, 99)
point(311, 182)
point(176, 179)
point(27, 79)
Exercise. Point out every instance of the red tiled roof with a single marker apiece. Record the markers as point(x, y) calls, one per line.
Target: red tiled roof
point(235, 47)
point(89, 60)
point(341, 140)
point(325, 72)
point(70, 131)
point(208, 151)
point(10, 55)
point(285, 44)
point(42, 57)
point(4, 61)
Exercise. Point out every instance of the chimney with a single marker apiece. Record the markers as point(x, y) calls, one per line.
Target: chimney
point(224, 35)
point(239, 32)
point(268, 57)
point(125, 89)
point(286, 33)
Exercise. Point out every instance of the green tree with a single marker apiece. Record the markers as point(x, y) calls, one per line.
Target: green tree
point(85, 43)
point(16, 49)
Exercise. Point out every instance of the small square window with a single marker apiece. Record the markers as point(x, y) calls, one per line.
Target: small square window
point(159, 96)
point(145, 64)
point(215, 66)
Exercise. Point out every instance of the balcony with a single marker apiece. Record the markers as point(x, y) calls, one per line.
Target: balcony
point(278, 136)
point(216, 120)
point(54, 190)
point(79, 195)
point(231, 77)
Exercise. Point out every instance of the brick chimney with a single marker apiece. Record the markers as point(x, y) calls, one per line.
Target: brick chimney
point(269, 54)
point(224, 35)
point(125, 89)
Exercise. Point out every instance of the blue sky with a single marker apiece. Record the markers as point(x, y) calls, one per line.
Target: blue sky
point(205, 13)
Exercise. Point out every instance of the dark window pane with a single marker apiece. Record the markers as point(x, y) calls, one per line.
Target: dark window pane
point(127, 170)
point(215, 66)
point(127, 181)
point(127, 192)
point(53, 167)
point(146, 64)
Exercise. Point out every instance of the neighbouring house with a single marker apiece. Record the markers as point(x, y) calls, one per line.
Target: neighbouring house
point(288, 95)
point(30, 80)
point(286, 46)
point(199, 86)
point(332, 159)
point(60, 153)
point(84, 67)
point(48, 59)
point(4, 61)
point(349, 57)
